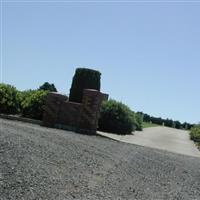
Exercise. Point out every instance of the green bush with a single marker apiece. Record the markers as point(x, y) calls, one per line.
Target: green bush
point(84, 79)
point(32, 102)
point(195, 133)
point(116, 117)
point(9, 103)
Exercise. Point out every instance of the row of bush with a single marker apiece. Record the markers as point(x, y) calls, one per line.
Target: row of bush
point(166, 122)
point(195, 134)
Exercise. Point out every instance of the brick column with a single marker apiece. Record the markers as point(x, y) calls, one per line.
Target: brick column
point(52, 108)
point(89, 116)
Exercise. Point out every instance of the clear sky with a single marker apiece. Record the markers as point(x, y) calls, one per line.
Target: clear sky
point(148, 53)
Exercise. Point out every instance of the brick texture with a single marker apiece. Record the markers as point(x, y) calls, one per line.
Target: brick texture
point(82, 117)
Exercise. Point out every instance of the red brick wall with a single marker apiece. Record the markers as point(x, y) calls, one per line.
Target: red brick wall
point(52, 108)
point(69, 114)
point(59, 111)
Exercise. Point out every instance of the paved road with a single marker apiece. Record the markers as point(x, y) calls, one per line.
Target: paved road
point(50, 164)
point(164, 138)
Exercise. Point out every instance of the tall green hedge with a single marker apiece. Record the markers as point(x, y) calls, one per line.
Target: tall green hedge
point(9, 103)
point(84, 79)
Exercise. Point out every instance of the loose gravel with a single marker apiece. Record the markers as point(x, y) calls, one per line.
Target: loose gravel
point(43, 163)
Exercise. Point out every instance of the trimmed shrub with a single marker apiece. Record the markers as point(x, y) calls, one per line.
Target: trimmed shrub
point(32, 102)
point(84, 79)
point(49, 87)
point(9, 103)
point(115, 117)
point(195, 133)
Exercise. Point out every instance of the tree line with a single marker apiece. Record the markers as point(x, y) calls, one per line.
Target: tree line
point(165, 122)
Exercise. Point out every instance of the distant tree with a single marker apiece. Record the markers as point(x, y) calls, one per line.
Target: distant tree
point(49, 87)
point(178, 125)
point(146, 118)
point(187, 126)
point(166, 122)
point(173, 124)
point(169, 123)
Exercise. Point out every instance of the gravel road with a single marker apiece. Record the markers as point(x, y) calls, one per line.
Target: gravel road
point(43, 163)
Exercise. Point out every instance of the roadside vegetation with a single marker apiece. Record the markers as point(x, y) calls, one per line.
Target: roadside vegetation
point(9, 103)
point(165, 122)
point(27, 103)
point(195, 134)
point(32, 102)
point(116, 117)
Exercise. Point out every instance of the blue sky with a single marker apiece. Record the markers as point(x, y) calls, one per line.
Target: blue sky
point(148, 53)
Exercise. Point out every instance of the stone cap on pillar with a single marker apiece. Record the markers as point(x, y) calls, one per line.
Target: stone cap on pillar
point(58, 95)
point(94, 92)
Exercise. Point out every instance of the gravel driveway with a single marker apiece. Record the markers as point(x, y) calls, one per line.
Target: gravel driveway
point(42, 163)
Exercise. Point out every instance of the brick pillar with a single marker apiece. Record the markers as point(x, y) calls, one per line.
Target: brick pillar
point(52, 108)
point(89, 116)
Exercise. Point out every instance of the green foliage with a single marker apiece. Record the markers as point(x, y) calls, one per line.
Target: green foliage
point(9, 103)
point(32, 102)
point(195, 133)
point(115, 117)
point(167, 122)
point(187, 126)
point(178, 125)
point(84, 79)
point(138, 122)
point(49, 87)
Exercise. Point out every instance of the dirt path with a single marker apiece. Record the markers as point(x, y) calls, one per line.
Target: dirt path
point(169, 139)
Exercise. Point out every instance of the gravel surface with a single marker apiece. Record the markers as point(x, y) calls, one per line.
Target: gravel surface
point(43, 163)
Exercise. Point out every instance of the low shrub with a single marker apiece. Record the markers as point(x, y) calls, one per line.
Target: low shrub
point(32, 102)
point(195, 133)
point(9, 103)
point(115, 117)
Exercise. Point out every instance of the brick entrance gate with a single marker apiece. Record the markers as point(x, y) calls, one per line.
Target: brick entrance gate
point(79, 117)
